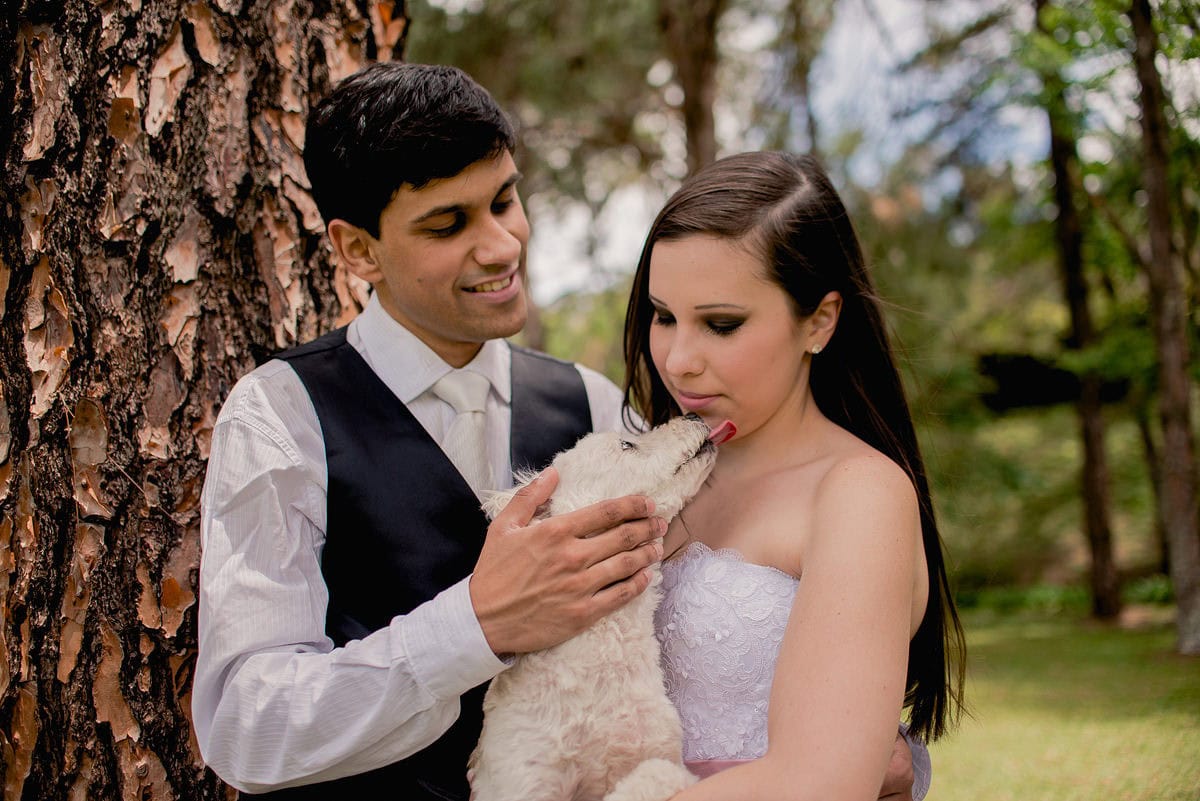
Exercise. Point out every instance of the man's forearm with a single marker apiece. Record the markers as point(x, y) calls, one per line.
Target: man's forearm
point(278, 719)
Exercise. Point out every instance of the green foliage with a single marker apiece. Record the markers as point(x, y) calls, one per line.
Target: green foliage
point(1153, 589)
point(589, 329)
point(1039, 599)
point(575, 76)
point(1071, 600)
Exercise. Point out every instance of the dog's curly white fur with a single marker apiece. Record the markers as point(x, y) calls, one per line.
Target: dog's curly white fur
point(590, 719)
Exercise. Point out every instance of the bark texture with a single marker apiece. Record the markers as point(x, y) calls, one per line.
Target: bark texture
point(1168, 314)
point(157, 240)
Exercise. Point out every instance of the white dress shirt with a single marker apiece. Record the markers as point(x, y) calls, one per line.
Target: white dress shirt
point(274, 703)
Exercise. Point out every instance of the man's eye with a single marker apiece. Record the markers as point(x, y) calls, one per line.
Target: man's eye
point(626, 445)
point(450, 229)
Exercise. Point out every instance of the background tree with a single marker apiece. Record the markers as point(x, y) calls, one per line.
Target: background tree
point(689, 29)
point(158, 239)
point(1068, 235)
point(1169, 319)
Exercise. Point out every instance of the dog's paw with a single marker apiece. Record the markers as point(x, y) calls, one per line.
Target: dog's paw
point(652, 780)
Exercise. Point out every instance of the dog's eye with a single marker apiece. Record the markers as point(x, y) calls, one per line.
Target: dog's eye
point(626, 445)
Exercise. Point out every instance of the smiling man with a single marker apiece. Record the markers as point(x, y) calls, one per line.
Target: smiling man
point(354, 599)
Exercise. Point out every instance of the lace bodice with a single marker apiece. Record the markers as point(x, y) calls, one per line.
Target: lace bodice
point(721, 622)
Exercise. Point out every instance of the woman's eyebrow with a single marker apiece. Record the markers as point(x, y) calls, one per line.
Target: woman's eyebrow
point(710, 306)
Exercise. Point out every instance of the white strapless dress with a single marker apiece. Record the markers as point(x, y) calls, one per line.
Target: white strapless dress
point(720, 623)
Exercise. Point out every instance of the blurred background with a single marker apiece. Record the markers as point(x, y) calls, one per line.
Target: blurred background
point(934, 120)
point(1023, 176)
point(1021, 283)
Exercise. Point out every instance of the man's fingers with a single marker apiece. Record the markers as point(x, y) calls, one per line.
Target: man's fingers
point(600, 517)
point(616, 595)
point(624, 538)
point(525, 503)
point(898, 781)
point(624, 565)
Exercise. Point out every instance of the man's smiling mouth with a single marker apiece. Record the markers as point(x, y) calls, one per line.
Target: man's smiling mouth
point(491, 286)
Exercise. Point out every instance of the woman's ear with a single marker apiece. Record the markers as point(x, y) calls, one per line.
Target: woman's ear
point(354, 249)
point(823, 322)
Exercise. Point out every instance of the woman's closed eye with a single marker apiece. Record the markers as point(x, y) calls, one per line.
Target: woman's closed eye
point(724, 327)
point(662, 318)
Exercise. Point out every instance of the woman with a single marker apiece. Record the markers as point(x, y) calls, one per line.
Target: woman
point(806, 600)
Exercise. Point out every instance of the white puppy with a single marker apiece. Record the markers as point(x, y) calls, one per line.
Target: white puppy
point(589, 719)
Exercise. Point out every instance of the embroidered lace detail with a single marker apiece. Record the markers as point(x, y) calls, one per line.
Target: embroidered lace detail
point(721, 622)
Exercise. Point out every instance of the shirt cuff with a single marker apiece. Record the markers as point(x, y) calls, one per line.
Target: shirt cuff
point(445, 644)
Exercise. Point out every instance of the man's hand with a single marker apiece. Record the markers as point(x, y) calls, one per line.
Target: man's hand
point(898, 783)
point(537, 584)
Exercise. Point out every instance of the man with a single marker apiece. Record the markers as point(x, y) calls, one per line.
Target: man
point(354, 601)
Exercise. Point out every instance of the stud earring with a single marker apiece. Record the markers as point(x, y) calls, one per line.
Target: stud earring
point(816, 349)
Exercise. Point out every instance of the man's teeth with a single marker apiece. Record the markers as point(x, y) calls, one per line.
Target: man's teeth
point(494, 286)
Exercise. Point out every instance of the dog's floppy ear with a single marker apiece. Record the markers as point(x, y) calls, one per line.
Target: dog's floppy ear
point(494, 501)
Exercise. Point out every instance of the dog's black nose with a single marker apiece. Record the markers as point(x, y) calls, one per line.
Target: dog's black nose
point(692, 416)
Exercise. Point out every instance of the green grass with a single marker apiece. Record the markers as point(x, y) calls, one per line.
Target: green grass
point(1065, 710)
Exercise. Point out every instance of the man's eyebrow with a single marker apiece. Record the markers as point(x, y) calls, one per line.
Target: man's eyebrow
point(455, 208)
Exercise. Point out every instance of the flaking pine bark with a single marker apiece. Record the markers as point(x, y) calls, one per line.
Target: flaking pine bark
point(157, 239)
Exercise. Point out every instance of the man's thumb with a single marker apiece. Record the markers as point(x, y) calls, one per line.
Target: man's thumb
point(529, 499)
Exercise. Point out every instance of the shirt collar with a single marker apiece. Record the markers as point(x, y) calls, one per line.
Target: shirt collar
point(408, 366)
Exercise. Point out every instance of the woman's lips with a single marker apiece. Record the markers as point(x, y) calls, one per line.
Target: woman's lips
point(692, 403)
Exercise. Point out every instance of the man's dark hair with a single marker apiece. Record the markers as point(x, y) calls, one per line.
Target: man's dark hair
point(391, 124)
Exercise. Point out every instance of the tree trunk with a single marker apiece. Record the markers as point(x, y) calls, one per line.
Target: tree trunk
point(1154, 471)
point(1168, 313)
point(1068, 230)
point(805, 25)
point(158, 240)
point(690, 34)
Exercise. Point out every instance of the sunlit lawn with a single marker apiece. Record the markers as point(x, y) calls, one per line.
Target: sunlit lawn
point(1065, 709)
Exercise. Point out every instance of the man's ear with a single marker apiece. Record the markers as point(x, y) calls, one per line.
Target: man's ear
point(355, 249)
point(823, 322)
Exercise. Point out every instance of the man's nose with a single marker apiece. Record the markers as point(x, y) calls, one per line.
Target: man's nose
point(498, 244)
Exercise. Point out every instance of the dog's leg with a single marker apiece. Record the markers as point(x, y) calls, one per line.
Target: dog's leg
point(652, 780)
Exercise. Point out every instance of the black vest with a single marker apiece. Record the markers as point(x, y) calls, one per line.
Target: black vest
point(403, 525)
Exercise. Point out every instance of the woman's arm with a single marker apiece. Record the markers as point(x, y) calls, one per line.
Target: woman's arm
point(840, 679)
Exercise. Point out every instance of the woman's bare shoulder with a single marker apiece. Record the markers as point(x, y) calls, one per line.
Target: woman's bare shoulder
point(863, 483)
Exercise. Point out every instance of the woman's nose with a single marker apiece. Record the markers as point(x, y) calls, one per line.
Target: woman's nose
point(683, 358)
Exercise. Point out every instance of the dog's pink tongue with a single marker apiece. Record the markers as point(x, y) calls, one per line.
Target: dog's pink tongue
point(722, 432)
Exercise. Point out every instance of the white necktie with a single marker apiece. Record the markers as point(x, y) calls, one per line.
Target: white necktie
point(465, 443)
